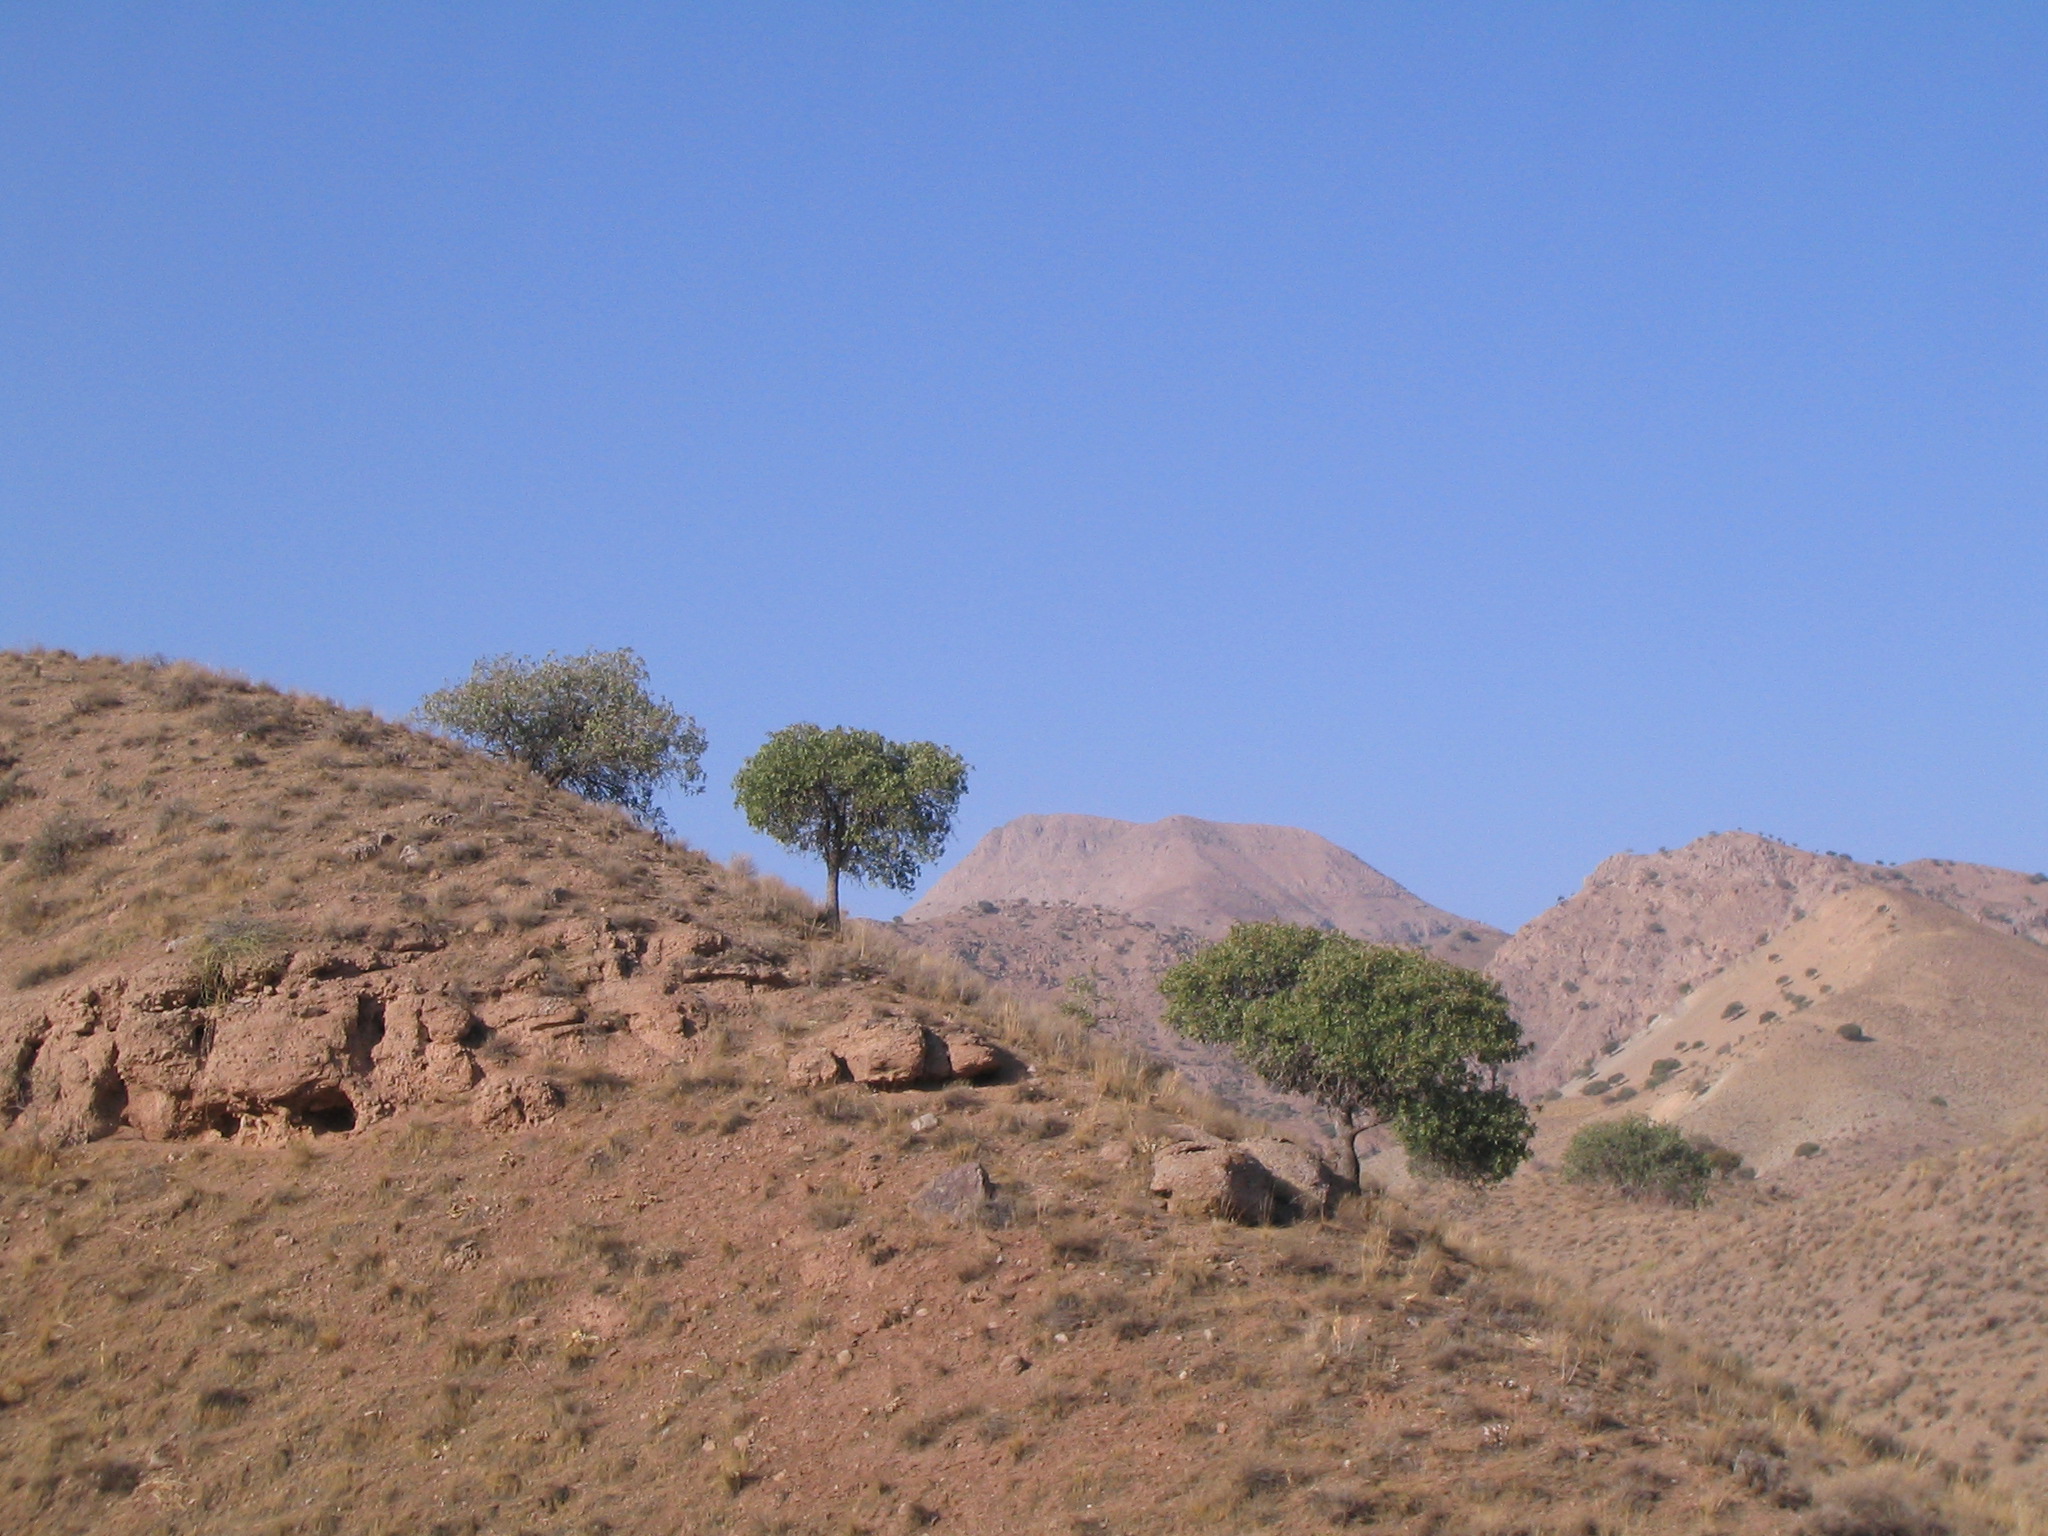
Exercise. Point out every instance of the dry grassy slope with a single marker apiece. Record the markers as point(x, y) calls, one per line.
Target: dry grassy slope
point(1912, 1301)
point(696, 1299)
point(1645, 927)
point(1200, 875)
point(1955, 1020)
point(1104, 965)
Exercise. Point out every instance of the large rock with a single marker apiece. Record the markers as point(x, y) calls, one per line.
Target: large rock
point(883, 1052)
point(1202, 1180)
point(506, 1103)
point(1302, 1177)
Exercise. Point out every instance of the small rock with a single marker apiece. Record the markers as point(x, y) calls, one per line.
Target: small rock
point(963, 1194)
point(1117, 1154)
point(845, 1358)
point(1014, 1365)
point(925, 1122)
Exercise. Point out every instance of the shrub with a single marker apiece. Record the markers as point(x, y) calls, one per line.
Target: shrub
point(1852, 1032)
point(1641, 1159)
point(62, 842)
point(14, 788)
point(1807, 1149)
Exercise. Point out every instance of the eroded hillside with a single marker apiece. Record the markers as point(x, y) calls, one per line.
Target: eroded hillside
point(395, 1145)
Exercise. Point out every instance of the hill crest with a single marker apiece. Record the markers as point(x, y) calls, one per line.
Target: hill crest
point(1204, 876)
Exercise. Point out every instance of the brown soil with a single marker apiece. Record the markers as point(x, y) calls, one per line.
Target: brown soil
point(696, 1298)
point(1912, 1301)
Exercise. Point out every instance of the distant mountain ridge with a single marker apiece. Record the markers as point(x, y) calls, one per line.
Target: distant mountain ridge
point(1204, 876)
point(1645, 929)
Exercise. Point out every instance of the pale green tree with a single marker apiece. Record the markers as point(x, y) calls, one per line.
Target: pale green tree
point(585, 723)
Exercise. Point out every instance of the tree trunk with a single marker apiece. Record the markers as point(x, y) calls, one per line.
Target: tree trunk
point(1347, 1147)
point(832, 893)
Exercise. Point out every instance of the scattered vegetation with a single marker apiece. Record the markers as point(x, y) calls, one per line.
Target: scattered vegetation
point(62, 843)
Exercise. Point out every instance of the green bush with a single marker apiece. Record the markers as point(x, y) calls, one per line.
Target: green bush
point(1640, 1158)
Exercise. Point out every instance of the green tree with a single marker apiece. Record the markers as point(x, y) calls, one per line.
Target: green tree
point(1643, 1159)
point(1376, 1035)
point(585, 723)
point(874, 809)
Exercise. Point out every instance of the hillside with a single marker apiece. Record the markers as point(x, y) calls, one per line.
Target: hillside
point(1879, 1067)
point(1203, 876)
point(1880, 1028)
point(1647, 928)
point(1102, 967)
point(395, 1145)
point(1912, 1301)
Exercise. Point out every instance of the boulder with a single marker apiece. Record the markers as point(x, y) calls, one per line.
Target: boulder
point(962, 1052)
point(1214, 1181)
point(963, 1194)
point(1302, 1177)
point(814, 1067)
point(882, 1053)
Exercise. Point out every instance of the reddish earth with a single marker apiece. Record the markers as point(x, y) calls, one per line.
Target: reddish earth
point(625, 1276)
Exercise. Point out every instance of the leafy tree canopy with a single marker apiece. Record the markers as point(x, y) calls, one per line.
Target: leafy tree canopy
point(585, 723)
point(1376, 1034)
point(874, 809)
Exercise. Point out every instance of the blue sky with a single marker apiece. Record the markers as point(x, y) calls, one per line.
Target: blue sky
point(1491, 436)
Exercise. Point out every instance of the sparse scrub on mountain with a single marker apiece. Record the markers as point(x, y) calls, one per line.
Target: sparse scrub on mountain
point(585, 723)
point(870, 808)
point(63, 842)
point(1641, 1159)
point(1373, 1033)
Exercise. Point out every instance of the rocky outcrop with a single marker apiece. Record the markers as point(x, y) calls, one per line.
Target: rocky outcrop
point(885, 1050)
point(214, 1039)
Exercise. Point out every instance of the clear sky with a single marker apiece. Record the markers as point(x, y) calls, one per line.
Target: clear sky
point(1491, 436)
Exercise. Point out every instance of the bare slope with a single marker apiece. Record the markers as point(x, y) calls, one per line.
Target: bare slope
point(1646, 928)
point(1199, 875)
point(502, 1214)
point(1880, 1028)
